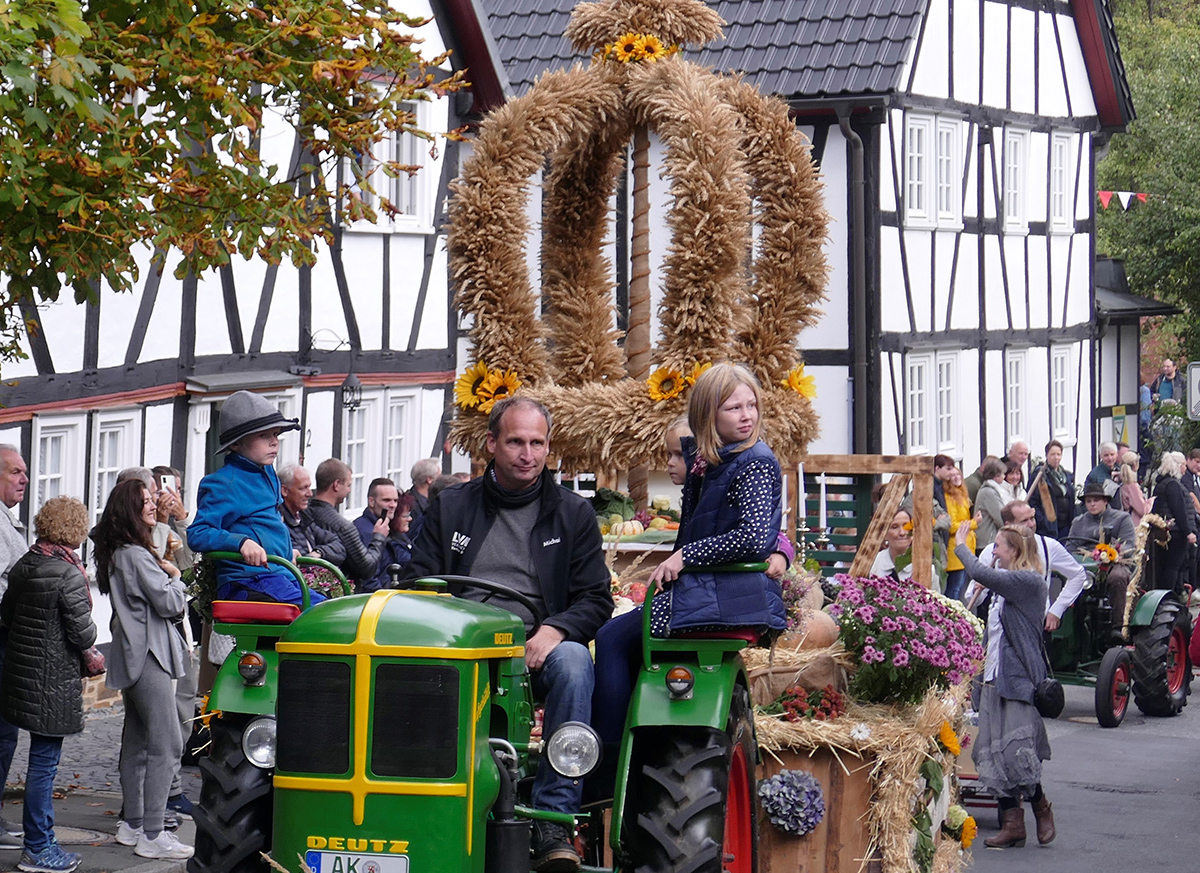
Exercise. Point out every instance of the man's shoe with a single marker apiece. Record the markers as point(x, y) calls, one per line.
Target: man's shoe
point(553, 851)
point(171, 820)
point(180, 805)
point(51, 859)
point(11, 841)
point(10, 828)
point(165, 846)
point(126, 834)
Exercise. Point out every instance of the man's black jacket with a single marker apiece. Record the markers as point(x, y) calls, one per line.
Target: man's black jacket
point(565, 544)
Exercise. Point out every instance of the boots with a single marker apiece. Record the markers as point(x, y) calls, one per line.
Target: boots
point(1045, 820)
point(1013, 831)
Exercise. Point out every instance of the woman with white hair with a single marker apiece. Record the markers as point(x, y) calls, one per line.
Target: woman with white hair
point(1172, 504)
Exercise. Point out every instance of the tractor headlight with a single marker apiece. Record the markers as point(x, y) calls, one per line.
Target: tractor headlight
point(252, 667)
point(258, 742)
point(679, 683)
point(573, 750)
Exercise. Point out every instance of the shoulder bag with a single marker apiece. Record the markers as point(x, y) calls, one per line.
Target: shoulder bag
point(1048, 696)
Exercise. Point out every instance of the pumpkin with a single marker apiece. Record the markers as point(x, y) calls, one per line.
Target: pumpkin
point(818, 630)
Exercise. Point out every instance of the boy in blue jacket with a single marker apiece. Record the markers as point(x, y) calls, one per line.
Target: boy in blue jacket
point(237, 507)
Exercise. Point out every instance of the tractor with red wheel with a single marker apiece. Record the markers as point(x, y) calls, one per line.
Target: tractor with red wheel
point(393, 731)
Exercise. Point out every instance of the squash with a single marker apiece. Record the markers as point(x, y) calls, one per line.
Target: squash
point(628, 529)
point(818, 630)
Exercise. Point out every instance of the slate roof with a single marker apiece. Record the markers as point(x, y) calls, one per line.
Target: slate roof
point(792, 48)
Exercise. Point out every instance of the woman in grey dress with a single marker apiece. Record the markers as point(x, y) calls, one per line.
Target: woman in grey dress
point(1012, 740)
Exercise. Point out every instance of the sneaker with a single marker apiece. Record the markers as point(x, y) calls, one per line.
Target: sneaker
point(11, 841)
point(127, 835)
point(13, 830)
point(553, 851)
point(181, 805)
point(165, 846)
point(51, 859)
point(171, 820)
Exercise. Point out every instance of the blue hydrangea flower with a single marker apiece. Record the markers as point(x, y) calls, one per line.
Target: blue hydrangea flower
point(793, 801)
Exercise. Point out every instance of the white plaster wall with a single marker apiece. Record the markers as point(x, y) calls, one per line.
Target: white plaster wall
point(1020, 47)
point(833, 407)
point(432, 406)
point(159, 423)
point(946, 272)
point(1052, 100)
point(966, 292)
point(993, 400)
point(319, 437)
point(1035, 253)
point(969, 421)
point(1082, 102)
point(995, 54)
point(918, 248)
point(434, 320)
point(892, 317)
point(932, 65)
point(995, 311)
point(1079, 303)
point(62, 324)
point(832, 331)
point(1013, 269)
point(162, 334)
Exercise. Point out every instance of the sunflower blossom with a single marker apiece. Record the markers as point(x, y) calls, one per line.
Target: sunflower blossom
point(700, 367)
point(969, 831)
point(498, 385)
point(949, 739)
point(628, 48)
point(665, 383)
point(805, 386)
point(466, 386)
point(652, 48)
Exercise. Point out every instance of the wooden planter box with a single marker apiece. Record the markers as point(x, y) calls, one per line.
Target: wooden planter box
point(839, 843)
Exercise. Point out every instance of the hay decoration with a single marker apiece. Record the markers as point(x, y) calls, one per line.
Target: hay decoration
point(732, 158)
point(897, 739)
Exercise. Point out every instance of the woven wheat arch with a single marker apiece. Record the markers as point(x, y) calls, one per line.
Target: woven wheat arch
point(734, 161)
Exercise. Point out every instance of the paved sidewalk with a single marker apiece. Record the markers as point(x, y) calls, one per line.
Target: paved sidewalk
point(87, 799)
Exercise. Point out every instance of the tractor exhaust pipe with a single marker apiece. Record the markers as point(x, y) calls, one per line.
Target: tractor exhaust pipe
point(507, 836)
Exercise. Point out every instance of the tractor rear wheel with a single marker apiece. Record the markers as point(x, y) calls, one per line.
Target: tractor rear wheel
point(1112, 687)
point(692, 802)
point(1160, 662)
point(233, 817)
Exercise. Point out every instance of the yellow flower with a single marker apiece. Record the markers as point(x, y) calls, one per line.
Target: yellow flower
point(628, 48)
point(699, 368)
point(969, 832)
point(805, 386)
point(466, 386)
point(652, 48)
point(665, 383)
point(1106, 554)
point(949, 739)
point(498, 385)
point(907, 526)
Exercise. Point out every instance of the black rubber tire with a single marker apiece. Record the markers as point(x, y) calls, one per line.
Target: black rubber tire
point(678, 796)
point(1109, 712)
point(233, 817)
point(1151, 647)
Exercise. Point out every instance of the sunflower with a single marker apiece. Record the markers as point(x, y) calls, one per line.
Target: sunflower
point(466, 386)
point(652, 48)
point(1106, 554)
point(498, 385)
point(691, 377)
point(969, 831)
point(628, 48)
point(949, 739)
point(805, 386)
point(665, 383)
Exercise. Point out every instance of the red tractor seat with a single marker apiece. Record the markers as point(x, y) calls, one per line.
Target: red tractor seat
point(749, 634)
point(254, 612)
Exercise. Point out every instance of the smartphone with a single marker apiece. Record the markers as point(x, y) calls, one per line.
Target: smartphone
point(166, 483)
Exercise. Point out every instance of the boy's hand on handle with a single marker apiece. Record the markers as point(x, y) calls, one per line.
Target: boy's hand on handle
point(776, 565)
point(668, 570)
point(253, 554)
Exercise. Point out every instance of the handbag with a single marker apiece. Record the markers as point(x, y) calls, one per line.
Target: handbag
point(1048, 696)
point(91, 662)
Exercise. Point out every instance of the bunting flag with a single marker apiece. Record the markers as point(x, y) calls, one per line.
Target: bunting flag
point(1125, 198)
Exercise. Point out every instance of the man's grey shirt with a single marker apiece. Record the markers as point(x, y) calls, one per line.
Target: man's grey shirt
point(12, 544)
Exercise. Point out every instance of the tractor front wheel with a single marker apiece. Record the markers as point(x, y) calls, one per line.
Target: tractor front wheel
point(233, 817)
point(692, 802)
point(1160, 662)
point(1112, 687)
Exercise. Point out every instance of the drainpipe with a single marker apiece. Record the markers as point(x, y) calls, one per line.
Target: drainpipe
point(858, 272)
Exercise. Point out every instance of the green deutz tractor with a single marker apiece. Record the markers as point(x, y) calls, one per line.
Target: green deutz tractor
point(391, 732)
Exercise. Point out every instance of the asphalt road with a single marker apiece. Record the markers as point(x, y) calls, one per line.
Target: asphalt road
point(1125, 799)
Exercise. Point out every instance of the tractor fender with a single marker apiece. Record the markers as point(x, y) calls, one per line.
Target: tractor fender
point(707, 706)
point(230, 693)
point(1147, 605)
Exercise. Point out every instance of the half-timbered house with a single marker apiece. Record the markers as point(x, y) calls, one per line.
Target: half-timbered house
point(957, 141)
point(140, 378)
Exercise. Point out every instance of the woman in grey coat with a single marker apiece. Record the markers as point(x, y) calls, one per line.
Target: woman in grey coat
point(48, 613)
point(1012, 740)
point(147, 654)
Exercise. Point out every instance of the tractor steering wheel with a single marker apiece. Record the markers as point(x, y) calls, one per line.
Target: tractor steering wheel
point(490, 586)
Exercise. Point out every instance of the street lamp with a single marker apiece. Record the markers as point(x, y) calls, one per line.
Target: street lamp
point(351, 391)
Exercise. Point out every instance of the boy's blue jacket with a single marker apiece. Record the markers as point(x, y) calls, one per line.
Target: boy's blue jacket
point(241, 501)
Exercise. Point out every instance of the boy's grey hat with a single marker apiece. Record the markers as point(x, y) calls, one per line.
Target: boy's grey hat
point(245, 413)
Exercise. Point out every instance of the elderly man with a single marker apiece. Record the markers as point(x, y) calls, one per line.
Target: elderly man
point(1115, 527)
point(295, 487)
point(1019, 452)
point(334, 481)
point(513, 525)
point(423, 474)
point(13, 480)
point(1107, 474)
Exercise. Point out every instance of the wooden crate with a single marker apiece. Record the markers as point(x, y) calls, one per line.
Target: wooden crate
point(839, 843)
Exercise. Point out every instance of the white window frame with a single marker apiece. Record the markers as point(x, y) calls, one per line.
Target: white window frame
point(1061, 201)
point(378, 441)
point(419, 190)
point(920, 399)
point(919, 186)
point(946, 412)
point(948, 175)
point(361, 451)
point(1016, 406)
point(1016, 180)
point(290, 443)
point(126, 425)
point(402, 445)
point(71, 473)
point(1061, 406)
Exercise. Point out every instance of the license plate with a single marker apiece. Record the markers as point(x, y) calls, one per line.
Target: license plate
point(344, 862)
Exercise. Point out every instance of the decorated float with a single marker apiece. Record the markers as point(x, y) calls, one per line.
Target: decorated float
point(860, 707)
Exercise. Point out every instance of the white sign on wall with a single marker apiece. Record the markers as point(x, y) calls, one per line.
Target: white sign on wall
point(1193, 390)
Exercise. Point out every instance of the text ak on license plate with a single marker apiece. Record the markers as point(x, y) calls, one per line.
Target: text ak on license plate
point(341, 862)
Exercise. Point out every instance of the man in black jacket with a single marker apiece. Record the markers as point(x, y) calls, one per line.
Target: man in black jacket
point(515, 526)
point(334, 480)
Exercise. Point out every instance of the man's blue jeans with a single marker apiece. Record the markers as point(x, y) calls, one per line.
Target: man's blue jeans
point(8, 732)
point(44, 753)
point(564, 685)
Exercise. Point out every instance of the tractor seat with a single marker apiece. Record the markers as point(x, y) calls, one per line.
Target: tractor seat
point(749, 634)
point(254, 612)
